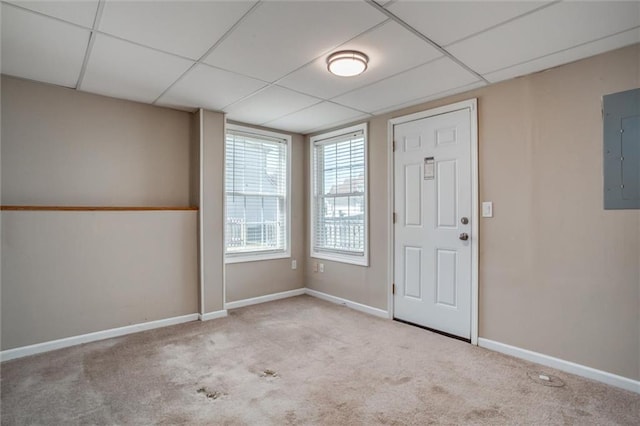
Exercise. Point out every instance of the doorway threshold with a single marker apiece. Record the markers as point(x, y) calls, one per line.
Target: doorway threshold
point(453, 336)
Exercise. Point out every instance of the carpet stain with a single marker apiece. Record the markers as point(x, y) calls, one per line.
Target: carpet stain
point(173, 419)
point(153, 377)
point(545, 379)
point(439, 390)
point(582, 413)
point(210, 394)
point(524, 390)
point(290, 417)
point(382, 418)
point(397, 382)
point(485, 414)
point(269, 373)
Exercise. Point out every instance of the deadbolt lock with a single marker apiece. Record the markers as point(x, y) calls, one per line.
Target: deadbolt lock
point(464, 220)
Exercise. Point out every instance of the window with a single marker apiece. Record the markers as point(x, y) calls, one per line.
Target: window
point(339, 196)
point(256, 194)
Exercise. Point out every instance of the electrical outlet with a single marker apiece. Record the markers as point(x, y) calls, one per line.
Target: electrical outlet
point(321, 267)
point(294, 264)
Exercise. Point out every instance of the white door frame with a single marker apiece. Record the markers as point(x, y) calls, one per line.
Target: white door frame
point(470, 104)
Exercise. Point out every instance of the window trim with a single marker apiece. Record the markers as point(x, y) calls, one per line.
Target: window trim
point(261, 254)
point(360, 260)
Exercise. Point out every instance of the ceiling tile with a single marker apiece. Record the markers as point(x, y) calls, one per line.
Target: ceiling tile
point(434, 77)
point(268, 105)
point(353, 120)
point(210, 88)
point(385, 59)
point(279, 37)
point(41, 48)
point(606, 44)
point(319, 115)
point(79, 12)
point(439, 95)
point(554, 28)
point(123, 70)
point(446, 22)
point(187, 28)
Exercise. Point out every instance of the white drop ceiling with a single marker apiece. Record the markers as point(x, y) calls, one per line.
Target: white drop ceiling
point(264, 62)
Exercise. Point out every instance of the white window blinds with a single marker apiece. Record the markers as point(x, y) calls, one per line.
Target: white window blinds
point(339, 186)
point(256, 193)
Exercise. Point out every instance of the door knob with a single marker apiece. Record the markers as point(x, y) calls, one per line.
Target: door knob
point(464, 236)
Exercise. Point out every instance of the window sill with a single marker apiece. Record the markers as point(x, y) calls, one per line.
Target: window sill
point(342, 258)
point(255, 257)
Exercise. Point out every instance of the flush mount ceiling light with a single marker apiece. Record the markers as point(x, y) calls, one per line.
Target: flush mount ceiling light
point(347, 63)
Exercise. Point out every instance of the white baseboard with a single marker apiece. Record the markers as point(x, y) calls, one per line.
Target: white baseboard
point(560, 364)
point(212, 315)
point(348, 303)
point(135, 328)
point(92, 337)
point(263, 299)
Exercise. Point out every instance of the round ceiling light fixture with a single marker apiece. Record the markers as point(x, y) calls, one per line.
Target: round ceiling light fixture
point(347, 63)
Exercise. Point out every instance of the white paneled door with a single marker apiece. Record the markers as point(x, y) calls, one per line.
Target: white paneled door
point(433, 206)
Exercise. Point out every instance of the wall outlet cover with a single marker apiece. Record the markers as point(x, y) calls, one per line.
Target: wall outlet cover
point(487, 209)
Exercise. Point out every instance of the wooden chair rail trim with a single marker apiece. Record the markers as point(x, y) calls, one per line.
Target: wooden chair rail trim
point(100, 208)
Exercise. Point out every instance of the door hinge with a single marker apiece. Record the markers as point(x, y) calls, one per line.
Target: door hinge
point(395, 217)
point(393, 146)
point(393, 288)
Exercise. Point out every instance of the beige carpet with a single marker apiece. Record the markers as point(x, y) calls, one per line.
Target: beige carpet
point(297, 361)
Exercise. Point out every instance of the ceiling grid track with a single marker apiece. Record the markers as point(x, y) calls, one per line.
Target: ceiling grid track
point(92, 39)
point(562, 50)
point(368, 30)
point(35, 12)
point(94, 29)
point(211, 49)
point(275, 82)
point(385, 78)
point(311, 106)
point(431, 97)
point(135, 43)
point(435, 45)
point(455, 48)
point(499, 24)
point(265, 123)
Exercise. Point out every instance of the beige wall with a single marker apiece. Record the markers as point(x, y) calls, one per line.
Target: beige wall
point(71, 273)
point(63, 147)
point(558, 274)
point(252, 279)
point(66, 147)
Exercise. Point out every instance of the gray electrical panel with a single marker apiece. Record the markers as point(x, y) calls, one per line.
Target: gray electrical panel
point(621, 112)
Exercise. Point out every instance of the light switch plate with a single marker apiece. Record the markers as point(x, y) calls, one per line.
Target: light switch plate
point(487, 209)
